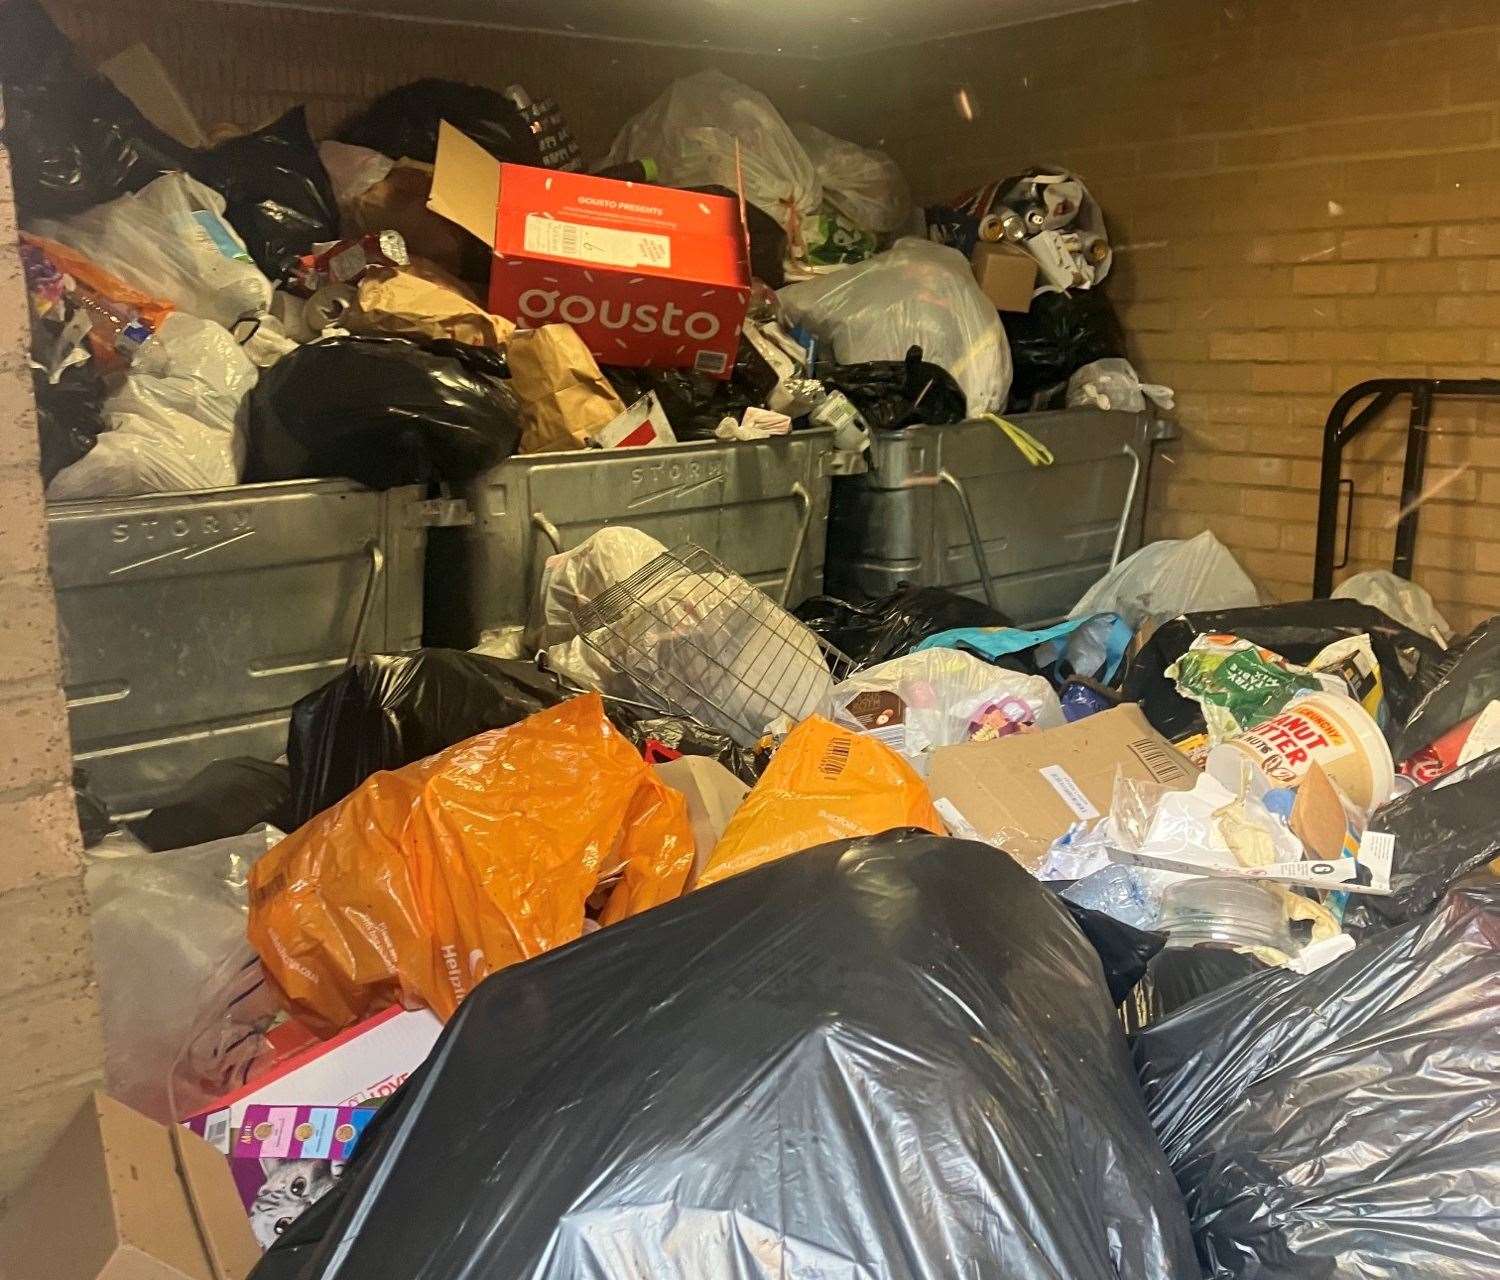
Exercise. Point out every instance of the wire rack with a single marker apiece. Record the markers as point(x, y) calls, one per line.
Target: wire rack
point(694, 638)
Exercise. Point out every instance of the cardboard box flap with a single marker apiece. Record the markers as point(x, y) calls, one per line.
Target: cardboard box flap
point(121, 1195)
point(465, 183)
point(1025, 790)
point(620, 226)
point(223, 1230)
point(62, 1222)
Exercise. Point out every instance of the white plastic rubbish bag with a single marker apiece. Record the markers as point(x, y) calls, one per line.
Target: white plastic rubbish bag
point(1397, 598)
point(177, 423)
point(939, 697)
point(170, 240)
point(572, 578)
point(163, 925)
point(863, 184)
point(1114, 384)
point(691, 132)
point(915, 294)
point(1178, 575)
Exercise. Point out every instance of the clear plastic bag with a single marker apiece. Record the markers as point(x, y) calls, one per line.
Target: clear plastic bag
point(164, 926)
point(177, 423)
point(916, 294)
point(1397, 598)
point(1114, 384)
point(940, 697)
point(572, 578)
point(1131, 895)
point(710, 130)
point(171, 240)
point(1179, 575)
point(863, 184)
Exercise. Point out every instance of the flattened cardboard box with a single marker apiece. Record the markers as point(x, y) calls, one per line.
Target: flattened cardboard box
point(121, 1197)
point(1025, 790)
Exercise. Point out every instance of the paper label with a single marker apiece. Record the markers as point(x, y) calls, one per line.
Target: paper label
point(607, 246)
point(301, 1133)
point(1000, 719)
point(1071, 794)
point(880, 714)
point(1376, 851)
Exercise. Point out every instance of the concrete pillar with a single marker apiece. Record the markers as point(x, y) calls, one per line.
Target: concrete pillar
point(49, 1010)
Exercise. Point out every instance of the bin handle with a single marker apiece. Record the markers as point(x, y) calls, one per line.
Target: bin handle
point(804, 527)
point(366, 605)
point(549, 530)
point(980, 559)
point(1135, 482)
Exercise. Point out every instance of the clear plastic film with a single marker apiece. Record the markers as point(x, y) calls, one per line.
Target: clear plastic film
point(940, 697)
point(915, 294)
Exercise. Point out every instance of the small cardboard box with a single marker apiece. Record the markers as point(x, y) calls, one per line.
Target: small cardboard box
point(367, 1062)
point(647, 275)
point(120, 1196)
point(1006, 275)
point(1025, 790)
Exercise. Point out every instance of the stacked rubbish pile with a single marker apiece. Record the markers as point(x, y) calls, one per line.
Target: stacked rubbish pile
point(1156, 942)
point(226, 306)
point(693, 935)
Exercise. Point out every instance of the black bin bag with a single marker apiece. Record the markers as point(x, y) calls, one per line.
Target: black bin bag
point(1060, 334)
point(1441, 832)
point(1297, 631)
point(891, 394)
point(404, 122)
point(383, 411)
point(386, 710)
point(895, 624)
point(1461, 684)
point(1344, 1125)
point(278, 195)
point(74, 139)
point(890, 1057)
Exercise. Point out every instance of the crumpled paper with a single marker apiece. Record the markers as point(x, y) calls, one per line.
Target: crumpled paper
point(566, 397)
point(408, 306)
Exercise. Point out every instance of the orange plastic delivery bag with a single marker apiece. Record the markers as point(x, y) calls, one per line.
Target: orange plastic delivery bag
point(825, 783)
point(428, 878)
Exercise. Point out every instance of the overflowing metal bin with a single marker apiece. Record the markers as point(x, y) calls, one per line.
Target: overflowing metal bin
point(761, 507)
point(190, 622)
point(959, 506)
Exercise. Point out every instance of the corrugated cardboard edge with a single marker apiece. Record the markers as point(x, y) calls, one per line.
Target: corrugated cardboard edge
point(231, 1253)
point(465, 184)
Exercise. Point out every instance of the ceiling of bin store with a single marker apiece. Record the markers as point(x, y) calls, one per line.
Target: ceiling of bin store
point(814, 28)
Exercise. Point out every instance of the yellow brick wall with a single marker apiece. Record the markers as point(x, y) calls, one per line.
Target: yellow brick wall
point(1303, 194)
point(246, 64)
